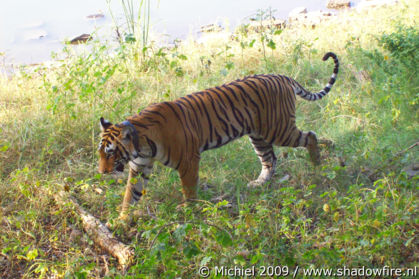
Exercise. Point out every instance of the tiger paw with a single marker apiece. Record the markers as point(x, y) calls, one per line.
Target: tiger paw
point(122, 221)
point(326, 143)
point(315, 159)
point(256, 183)
point(117, 224)
point(185, 203)
point(181, 206)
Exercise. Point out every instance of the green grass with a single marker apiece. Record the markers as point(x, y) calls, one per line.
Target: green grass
point(359, 208)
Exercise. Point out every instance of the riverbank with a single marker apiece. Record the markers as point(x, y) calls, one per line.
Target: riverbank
point(29, 33)
point(40, 45)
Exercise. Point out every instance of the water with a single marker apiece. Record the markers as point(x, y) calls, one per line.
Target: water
point(30, 30)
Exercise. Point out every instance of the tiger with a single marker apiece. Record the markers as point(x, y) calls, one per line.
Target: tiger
point(176, 133)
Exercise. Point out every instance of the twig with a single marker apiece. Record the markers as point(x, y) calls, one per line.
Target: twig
point(106, 264)
point(394, 157)
point(404, 151)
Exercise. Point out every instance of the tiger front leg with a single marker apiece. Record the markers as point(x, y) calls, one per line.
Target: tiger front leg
point(190, 177)
point(137, 180)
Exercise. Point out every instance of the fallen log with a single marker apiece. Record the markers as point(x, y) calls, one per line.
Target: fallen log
point(98, 232)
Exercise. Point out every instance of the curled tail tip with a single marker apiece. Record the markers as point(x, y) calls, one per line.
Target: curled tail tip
point(329, 54)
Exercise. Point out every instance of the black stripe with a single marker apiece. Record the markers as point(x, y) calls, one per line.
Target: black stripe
point(177, 165)
point(249, 118)
point(198, 95)
point(219, 97)
point(168, 157)
point(178, 117)
point(269, 106)
point(217, 115)
point(151, 120)
point(185, 122)
point(152, 146)
point(228, 87)
point(144, 176)
point(136, 122)
point(196, 122)
point(137, 195)
point(282, 132)
point(195, 101)
point(156, 112)
point(198, 118)
point(298, 139)
point(251, 84)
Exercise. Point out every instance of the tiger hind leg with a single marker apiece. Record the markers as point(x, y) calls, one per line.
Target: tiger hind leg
point(309, 141)
point(267, 158)
point(298, 138)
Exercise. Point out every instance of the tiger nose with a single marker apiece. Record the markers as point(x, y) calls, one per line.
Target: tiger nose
point(102, 171)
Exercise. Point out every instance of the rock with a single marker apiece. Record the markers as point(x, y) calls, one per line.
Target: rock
point(361, 76)
point(375, 3)
point(81, 39)
point(75, 235)
point(95, 16)
point(211, 28)
point(338, 4)
point(297, 12)
point(412, 170)
point(258, 26)
point(34, 34)
point(310, 19)
point(284, 178)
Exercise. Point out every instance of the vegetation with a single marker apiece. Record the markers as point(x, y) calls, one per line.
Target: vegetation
point(359, 208)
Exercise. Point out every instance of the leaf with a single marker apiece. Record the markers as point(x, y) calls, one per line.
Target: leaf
point(205, 260)
point(223, 238)
point(173, 64)
point(179, 72)
point(252, 43)
point(182, 57)
point(190, 250)
point(407, 243)
point(129, 38)
point(32, 254)
point(4, 147)
point(222, 203)
point(331, 175)
point(271, 45)
point(229, 65)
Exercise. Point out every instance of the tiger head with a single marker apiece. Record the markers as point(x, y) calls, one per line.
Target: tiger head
point(117, 146)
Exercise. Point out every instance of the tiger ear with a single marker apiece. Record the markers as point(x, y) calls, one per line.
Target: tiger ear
point(104, 124)
point(130, 134)
point(126, 132)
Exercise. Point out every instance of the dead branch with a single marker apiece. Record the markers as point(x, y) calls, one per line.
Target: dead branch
point(392, 159)
point(98, 232)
